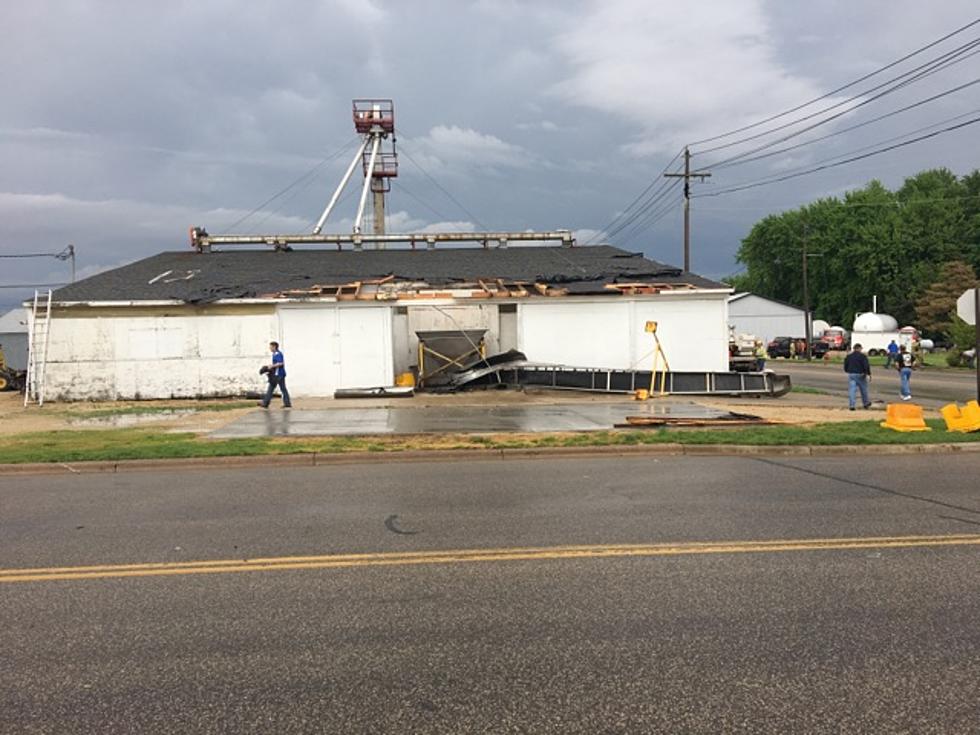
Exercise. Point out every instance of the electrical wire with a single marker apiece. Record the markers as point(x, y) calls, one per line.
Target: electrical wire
point(797, 146)
point(308, 174)
point(657, 179)
point(825, 166)
point(63, 255)
point(651, 218)
point(405, 190)
point(841, 88)
point(789, 207)
point(917, 74)
point(440, 187)
point(668, 188)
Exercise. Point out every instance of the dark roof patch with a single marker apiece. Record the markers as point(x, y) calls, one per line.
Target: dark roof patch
point(205, 277)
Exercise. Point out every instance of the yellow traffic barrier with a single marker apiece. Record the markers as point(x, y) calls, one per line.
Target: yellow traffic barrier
point(972, 413)
point(964, 421)
point(904, 417)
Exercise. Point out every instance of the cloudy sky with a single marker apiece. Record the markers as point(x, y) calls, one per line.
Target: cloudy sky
point(123, 123)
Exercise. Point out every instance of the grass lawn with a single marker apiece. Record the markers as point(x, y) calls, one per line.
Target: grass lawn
point(935, 359)
point(809, 390)
point(119, 444)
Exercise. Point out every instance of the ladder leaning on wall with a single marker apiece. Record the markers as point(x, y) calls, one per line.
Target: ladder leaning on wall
point(37, 351)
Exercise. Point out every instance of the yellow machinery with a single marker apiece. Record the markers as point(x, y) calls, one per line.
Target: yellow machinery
point(442, 352)
point(658, 357)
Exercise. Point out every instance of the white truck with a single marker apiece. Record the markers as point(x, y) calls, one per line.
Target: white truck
point(875, 331)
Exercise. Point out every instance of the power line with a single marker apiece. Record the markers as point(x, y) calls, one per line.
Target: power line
point(842, 88)
point(33, 285)
point(899, 82)
point(308, 174)
point(651, 218)
point(405, 190)
point(657, 179)
point(439, 186)
point(823, 167)
point(665, 190)
point(663, 187)
point(788, 207)
point(804, 168)
point(731, 163)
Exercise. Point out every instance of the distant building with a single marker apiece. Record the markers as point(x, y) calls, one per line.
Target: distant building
point(187, 324)
point(13, 338)
point(764, 317)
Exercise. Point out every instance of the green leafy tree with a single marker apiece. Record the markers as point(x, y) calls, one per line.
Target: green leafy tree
point(872, 242)
point(961, 334)
point(936, 304)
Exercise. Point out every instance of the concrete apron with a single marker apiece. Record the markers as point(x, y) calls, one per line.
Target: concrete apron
point(454, 419)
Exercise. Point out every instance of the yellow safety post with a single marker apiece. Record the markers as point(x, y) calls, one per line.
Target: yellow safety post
point(963, 421)
point(904, 417)
point(658, 355)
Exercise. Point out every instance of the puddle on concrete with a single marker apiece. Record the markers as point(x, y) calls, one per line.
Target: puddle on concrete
point(125, 420)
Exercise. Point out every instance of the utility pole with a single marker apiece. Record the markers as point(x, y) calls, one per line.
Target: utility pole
point(806, 300)
point(807, 317)
point(687, 176)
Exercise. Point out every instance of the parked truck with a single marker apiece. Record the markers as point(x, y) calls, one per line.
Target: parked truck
point(741, 352)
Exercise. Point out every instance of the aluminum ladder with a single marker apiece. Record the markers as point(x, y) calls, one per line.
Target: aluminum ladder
point(37, 350)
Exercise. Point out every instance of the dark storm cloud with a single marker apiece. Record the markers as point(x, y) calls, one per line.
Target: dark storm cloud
point(124, 123)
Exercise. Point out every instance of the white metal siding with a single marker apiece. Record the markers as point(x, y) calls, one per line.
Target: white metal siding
point(331, 347)
point(692, 329)
point(765, 318)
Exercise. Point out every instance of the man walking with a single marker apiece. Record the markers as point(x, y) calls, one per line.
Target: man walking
point(277, 378)
point(858, 371)
point(906, 361)
point(892, 354)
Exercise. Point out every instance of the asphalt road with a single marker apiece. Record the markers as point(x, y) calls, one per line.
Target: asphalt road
point(546, 624)
point(931, 387)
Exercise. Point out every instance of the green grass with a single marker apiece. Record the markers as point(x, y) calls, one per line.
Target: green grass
point(121, 444)
point(809, 390)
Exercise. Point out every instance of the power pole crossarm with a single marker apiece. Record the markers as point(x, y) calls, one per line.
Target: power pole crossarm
point(687, 176)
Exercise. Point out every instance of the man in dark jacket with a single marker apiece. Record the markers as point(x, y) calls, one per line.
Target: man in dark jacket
point(858, 371)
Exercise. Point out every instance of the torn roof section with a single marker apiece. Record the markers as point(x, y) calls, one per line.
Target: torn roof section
point(207, 277)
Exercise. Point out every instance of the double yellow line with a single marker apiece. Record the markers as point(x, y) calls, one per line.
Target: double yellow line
point(340, 561)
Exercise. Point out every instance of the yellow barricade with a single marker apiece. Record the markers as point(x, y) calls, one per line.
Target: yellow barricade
point(964, 421)
point(904, 417)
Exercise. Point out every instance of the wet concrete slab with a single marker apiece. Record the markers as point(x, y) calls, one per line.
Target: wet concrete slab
point(454, 419)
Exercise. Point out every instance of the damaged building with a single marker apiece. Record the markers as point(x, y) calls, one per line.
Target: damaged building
point(189, 324)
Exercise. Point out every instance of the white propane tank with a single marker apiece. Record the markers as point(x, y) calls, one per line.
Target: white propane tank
point(819, 327)
point(869, 321)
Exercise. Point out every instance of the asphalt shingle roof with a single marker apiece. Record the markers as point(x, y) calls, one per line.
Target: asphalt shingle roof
point(203, 277)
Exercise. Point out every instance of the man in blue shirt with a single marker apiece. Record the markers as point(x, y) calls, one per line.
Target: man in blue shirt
point(892, 354)
point(277, 378)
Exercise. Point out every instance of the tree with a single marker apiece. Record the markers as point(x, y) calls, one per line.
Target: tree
point(934, 307)
point(873, 242)
point(961, 334)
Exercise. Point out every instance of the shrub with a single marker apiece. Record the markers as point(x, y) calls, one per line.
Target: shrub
point(954, 357)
